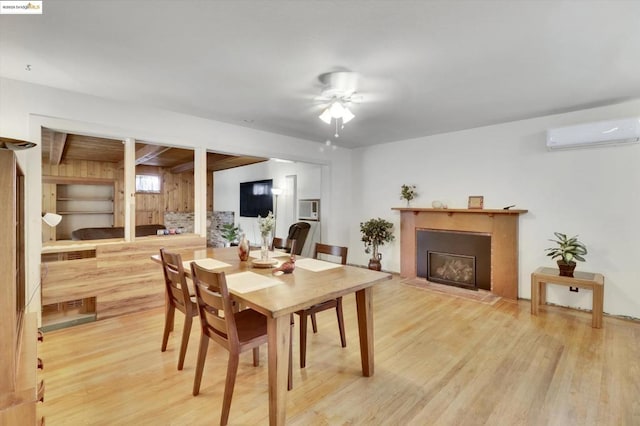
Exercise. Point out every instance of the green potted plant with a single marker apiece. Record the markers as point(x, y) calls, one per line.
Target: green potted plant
point(568, 250)
point(375, 232)
point(408, 192)
point(230, 232)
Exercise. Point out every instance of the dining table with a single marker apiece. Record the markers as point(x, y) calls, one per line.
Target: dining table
point(255, 284)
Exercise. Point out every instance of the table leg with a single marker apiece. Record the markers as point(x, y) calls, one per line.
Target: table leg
point(598, 306)
point(278, 331)
point(535, 295)
point(364, 306)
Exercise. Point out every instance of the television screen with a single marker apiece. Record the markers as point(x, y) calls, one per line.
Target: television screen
point(256, 198)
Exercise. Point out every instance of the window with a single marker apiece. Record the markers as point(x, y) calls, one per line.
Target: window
point(148, 183)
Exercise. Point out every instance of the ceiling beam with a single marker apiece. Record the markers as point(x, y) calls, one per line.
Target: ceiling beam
point(58, 142)
point(181, 168)
point(147, 153)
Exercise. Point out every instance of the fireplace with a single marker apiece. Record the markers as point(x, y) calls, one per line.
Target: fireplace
point(461, 259)
point(500, 227)
point(453, 269)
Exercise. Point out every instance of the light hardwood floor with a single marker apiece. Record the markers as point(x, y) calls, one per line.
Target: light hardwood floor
point(439, 360)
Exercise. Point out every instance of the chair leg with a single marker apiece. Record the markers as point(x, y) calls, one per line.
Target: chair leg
point(256, 356)
point(303, 339)
point(168, 326)
point(232, 370)
point(186, 331)
point(314, 323)
point(343, 338)
point(202, 356)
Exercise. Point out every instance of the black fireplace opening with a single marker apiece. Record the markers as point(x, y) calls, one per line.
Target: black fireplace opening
point(461, 259)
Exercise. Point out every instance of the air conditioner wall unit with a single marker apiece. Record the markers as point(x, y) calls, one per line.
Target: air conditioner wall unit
point(611, 132)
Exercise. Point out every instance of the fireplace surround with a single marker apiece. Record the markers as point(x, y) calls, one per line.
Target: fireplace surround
point(500, 225)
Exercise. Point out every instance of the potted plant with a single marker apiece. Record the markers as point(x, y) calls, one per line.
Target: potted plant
point(230, 232)
point(567, 252)
point(408, 192)
point(375, 232)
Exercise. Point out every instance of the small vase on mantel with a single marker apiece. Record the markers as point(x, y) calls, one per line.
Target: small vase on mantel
point(243, 248)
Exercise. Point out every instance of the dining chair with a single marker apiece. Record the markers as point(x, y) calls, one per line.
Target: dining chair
point(177, 297)
point(340, 252)
point(236, 331)
point(297, 233)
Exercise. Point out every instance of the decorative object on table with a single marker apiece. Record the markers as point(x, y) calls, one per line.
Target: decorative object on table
point(243, 248)
point(568, 251)
point(476, 202)
point(266, 225)
point(264, 263)
point(437, 204)
point(287, 267)
point(230, 232)
point(376, 232)
point(408, 192)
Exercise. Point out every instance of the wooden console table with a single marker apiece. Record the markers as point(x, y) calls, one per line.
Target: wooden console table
point(588, 280)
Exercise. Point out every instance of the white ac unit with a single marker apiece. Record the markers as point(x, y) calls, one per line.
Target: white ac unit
point(611, 132)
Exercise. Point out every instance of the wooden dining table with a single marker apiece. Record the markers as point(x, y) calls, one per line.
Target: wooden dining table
point(316, 282)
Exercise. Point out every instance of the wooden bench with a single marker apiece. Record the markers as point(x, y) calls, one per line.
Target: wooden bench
point(543, 276)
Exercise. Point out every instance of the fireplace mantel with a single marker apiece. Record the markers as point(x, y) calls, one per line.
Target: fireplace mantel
point(501, 225)
point(450, 212)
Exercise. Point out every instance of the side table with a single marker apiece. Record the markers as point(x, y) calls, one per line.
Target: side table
point(593, 281)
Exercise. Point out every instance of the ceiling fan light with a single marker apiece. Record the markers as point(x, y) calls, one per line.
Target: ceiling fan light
point(347, 116)
point(337, 110)
point(325, 116)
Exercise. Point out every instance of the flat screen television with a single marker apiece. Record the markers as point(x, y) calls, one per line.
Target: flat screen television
point(256, 198)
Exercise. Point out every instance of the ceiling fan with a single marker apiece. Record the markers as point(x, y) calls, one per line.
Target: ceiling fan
point(339, 91)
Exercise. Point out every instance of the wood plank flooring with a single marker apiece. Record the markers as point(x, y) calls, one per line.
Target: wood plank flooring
point(439, 360)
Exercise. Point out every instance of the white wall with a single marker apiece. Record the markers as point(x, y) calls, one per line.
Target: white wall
point(593, 193)
point(590, 192)
point(227, 190)
point(25, 107)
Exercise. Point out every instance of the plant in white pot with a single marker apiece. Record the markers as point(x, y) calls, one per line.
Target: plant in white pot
point(568, 250)
point(375, 232)
point(230, 232)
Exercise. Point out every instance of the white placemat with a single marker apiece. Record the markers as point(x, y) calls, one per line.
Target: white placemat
point(316, 265)
point(245, 282)
point(256, 254)
point(205, 263)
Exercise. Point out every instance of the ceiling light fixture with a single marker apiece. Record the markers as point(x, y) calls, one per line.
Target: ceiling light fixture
point(338, 113)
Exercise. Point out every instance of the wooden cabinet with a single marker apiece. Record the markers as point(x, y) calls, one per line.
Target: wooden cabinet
point(18, 330)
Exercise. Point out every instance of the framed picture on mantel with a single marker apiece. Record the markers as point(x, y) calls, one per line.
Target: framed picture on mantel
point(476, 201)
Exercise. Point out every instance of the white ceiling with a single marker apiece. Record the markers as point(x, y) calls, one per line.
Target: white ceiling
point(427, 67)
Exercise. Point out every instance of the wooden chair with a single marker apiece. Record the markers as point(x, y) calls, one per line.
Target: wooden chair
point(235, 331)
point(329, 304)
point(177, 297)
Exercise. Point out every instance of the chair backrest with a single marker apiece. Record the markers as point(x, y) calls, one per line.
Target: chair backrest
point(175, 281)
point(337, 251)
point(215, 307)
point(298, 232)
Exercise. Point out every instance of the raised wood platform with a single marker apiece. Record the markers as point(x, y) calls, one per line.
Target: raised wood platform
point(117, 273)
